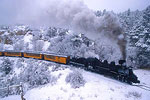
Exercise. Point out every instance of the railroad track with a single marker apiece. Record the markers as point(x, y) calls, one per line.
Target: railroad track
point(143, 86)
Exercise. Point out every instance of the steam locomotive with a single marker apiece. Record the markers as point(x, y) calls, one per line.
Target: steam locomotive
point(120, 72)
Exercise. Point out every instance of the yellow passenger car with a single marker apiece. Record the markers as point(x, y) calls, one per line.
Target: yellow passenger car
point(50, 57)
point(18, 54)
point(1, 53)
point(57, 58)
point(33, 55)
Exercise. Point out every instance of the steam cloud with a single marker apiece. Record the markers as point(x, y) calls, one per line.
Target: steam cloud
point(72, 14)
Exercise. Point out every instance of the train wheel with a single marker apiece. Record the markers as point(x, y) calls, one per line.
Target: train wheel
point(129, 82)
point(120, 78)
point(90, 67)
point(117, 77)
point(86, 68)
point(123, 80)
point(126, 80)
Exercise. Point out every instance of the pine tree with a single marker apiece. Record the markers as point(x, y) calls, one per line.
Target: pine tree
point(128, 19)
point(140, 38)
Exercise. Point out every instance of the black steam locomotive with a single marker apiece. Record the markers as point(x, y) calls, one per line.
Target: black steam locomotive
point(120, 72)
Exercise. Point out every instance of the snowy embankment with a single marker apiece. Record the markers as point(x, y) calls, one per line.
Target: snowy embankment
point(95, 87)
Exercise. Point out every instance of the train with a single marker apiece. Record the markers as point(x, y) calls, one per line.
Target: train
point(42, 56)
point(117, 71)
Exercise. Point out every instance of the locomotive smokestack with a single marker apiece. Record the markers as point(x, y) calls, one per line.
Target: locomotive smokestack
point(122, 46)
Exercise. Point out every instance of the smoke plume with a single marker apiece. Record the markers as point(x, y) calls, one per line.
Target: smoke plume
point(72, 14)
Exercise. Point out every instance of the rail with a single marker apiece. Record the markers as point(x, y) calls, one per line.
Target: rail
point(142, 86)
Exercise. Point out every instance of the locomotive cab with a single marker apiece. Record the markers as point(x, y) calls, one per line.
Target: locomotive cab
point(121, 62)
point(133, 77)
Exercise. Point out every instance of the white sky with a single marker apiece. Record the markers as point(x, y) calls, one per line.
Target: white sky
point(117, 5)
point(9, 9)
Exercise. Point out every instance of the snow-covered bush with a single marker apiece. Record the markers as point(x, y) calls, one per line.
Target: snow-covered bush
point(38, 45)
point(6, 66)
point(131, 56)
point(30, 72)
point(75, 79)
point(134, 94)
point(1, 46)
point(36, 73)
point(52, 32)
point(19, 46)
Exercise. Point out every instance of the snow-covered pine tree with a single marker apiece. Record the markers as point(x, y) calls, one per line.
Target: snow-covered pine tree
point(140, 38)
point(128, 19)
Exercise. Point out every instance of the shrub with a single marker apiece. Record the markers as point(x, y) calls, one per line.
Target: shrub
point(134, 94)
point(6, 66)
point(75, 79)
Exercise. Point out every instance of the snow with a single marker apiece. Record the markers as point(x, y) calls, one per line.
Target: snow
point(17, 71)
point(21, 27)
point(97, 87)
point(46, 45)
point(135, 37)
point(8, 47)
point(144, 45)
point(121, 36)
point(142, 76)
point(5, 34)
point(28, 38)
point(91, 54)
point(13, 97)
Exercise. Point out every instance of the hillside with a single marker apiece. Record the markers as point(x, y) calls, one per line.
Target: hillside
point(70, 83)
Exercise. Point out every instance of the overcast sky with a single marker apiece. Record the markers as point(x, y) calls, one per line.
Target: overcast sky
point(11, 9)
point(117, 5)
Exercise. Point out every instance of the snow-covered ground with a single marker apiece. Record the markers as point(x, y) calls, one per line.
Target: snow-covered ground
point(96, 87)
